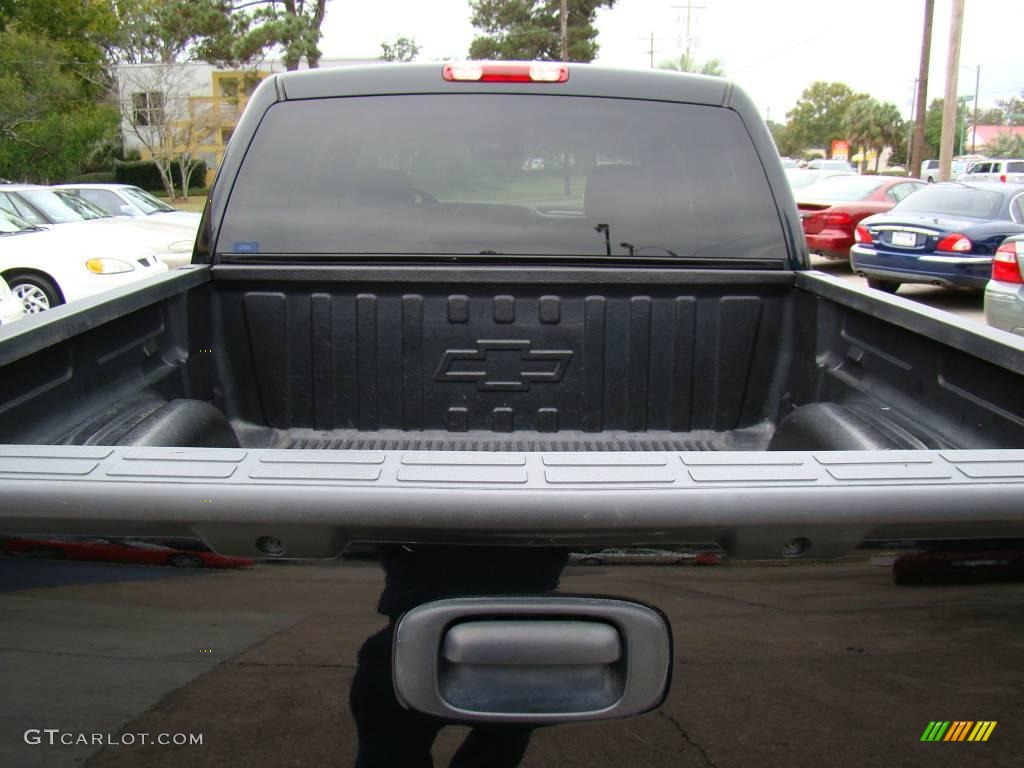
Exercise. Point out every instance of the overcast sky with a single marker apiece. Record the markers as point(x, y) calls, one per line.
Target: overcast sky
point(772, 48)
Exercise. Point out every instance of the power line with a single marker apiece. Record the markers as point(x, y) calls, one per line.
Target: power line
point(777, 53)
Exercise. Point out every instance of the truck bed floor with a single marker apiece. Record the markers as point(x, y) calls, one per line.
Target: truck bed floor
point(749, 439)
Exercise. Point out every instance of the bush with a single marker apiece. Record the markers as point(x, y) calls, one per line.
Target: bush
point(145, 174)
point(97, 177)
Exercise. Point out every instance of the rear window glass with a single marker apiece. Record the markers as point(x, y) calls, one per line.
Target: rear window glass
point(509, 174)
point(844, 188)
point(953, 201)
point(1015, 167)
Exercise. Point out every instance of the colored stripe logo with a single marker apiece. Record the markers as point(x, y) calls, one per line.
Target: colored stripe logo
point(959, 730)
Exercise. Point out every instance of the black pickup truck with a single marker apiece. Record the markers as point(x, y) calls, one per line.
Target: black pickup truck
point(478, 323)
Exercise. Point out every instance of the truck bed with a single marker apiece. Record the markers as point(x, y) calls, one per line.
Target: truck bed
point(370, 358)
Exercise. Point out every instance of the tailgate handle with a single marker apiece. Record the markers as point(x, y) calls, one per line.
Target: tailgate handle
point(526, 659)
point(532, 643)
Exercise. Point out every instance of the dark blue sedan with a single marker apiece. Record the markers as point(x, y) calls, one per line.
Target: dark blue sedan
point(943, 234)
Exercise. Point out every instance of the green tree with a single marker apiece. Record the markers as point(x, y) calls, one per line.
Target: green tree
point(860, 127)
point(50, 124)
point(1013, 110)
point(225, 32)
point(933, 129)
point(401, 49)
point(258, 25)
point(1005, 146)
point(686, 63)
point(992, 116)
point(166, 31)
point(83, 31)
point(817, 118)
point(529, 30)
point(784, 141)
point(53, 79)
point(890, 131)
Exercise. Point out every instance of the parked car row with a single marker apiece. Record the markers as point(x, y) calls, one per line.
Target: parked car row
point(897, 230)
point(977, 168)
point(58, 244)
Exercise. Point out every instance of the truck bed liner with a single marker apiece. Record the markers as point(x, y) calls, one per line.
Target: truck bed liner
point(750, 439)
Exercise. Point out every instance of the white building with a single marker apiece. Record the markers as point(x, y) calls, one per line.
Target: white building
point(191, 105)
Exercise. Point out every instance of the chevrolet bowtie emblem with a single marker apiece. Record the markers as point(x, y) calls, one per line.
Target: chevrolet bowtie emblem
point(499, 365)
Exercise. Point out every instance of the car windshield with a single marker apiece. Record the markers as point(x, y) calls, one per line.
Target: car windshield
point(61, 207)
point(497, 175)
point(952, 200)
point(12, 225)
point(145, 201)
point(844, 188)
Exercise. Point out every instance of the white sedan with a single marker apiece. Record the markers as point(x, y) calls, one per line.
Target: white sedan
point(126, 200)
point(47, 267)
point(171, 240)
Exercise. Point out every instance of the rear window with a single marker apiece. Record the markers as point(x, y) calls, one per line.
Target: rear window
point(844, 188)
point(510, 174)
point(1015, 167)
point(952, 201)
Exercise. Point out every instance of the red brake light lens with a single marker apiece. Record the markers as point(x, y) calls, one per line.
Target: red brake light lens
point(1005, 266)
point(861, 235)
point(955, 243)
point(1002, 178)
point(839, 219)
point(491, 72)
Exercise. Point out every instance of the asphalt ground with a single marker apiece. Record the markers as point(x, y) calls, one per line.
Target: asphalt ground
point(795, 665)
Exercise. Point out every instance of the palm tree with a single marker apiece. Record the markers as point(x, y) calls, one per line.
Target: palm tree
point(686, 63)
point(889, 129)
point(860, 125)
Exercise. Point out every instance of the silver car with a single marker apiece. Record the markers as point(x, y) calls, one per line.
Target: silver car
point(1004, 294)
point(930, 168)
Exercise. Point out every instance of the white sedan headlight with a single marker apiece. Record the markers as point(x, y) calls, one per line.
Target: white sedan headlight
point(104, 266)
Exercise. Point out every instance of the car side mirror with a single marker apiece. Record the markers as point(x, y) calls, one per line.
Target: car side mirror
point(127, 210)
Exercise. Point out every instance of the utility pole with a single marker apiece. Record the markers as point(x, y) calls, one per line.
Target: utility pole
point(690, 8)
point(564, 19)
point(910, 134)
point(917, 145)
point(950, 103)
point(650, 50)
point(977, 84)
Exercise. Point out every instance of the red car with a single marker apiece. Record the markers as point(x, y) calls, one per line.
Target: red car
point(830, 209)
point(118, 551)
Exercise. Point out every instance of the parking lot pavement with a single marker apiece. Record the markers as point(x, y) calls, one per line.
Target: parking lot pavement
point(965, 304)
point(799, 665)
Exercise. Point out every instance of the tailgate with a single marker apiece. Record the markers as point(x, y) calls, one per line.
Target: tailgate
point(755, 505)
